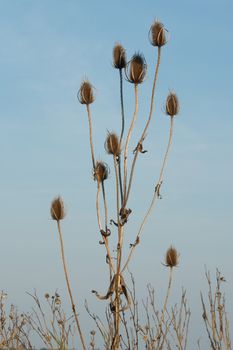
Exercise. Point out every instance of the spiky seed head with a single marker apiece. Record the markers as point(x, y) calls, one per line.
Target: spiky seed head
point(171, 257)
point(172, 104)
point(101, 171)
point(85, 93)
point(119, 56)
point(157, 34)
point(112, 144)
point(57, 209)
point(136, 69)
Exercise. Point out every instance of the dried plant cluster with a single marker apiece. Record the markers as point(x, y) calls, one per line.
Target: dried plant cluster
point(119, 147)
point(14, 328)
point(215, 315)
point(126, 325)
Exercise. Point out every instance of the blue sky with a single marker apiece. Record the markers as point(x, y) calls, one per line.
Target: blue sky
point(47, 48)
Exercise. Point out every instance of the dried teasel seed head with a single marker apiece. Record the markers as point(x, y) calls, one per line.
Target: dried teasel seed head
point(157, 34)
point(136, 69)
point(101, 171)
point(172, 105)
point(57, 209)
point(85, 93)
point(112, 144)
point(119, 56)
point(171, 257)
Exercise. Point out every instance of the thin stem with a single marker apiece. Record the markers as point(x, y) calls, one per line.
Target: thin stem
point(111, 266)
point(98, 207)
point(155, 195)
point(120, 178)
point(118, 277)
point(69, 287)
point(119, 254)
point(90, 135)
point(122, 132)
point(117, 190)
point(167, 295)
point(101, 228)
point(167, 150)
point(122, 106)
point(128, 139)
point(118, 218)
point(165, 304)
point(105, 206)
point(143, 136)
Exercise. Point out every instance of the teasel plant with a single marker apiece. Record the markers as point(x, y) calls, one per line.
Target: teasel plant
point(135, 71)
point(57, 212)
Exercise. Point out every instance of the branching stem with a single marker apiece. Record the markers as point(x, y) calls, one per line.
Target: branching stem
point(155, 195)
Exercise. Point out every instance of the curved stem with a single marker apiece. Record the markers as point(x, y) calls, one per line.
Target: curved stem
point(143, 136)
point(167, 150)
point(155, 195)
point(90, 135)
point(128, 139)
point(152, 96)
point(69, 287)
point(105, 206)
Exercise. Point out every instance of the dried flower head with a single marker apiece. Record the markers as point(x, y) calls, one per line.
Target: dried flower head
point(101, 171)
point(112, 144)
point(119, 56)
point(157, 34)
point(172, 105)
point(57, 209)
point(85, 93)
point(136, 69)
point(171, 257)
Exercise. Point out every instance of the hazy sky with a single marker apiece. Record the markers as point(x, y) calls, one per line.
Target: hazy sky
point(46, 48)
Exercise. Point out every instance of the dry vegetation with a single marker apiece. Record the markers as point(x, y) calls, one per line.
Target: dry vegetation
point(127, 325)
